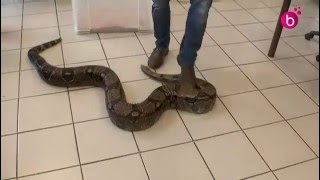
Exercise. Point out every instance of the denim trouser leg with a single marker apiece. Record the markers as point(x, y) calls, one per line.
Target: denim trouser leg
point(161, 20)
point(195, 29)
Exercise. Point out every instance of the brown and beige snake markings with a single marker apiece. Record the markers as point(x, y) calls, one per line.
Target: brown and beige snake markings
point(127, 116)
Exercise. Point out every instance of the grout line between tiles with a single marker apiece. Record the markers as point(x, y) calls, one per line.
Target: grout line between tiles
point(256, 175)
point(159, 148)
point(44, 172)
point(297, 163)
point(298, 51)
point(229, 110)
point(205, 162)
point(18, 101)
point(144, 166)
point(266, 55)
point(271, 103)
point(103, 118)
point(244, 131)
point(72, 117)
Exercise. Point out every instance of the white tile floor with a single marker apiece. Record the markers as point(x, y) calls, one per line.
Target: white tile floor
point(265, 124)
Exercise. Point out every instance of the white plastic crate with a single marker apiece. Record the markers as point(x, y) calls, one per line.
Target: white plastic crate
point(112, 15)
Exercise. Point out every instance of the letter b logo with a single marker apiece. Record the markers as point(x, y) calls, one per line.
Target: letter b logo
point(289, 20)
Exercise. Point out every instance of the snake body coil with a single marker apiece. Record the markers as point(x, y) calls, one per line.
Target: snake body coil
point(127, 116)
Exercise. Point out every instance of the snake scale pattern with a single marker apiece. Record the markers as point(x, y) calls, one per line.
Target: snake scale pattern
point(127, 116)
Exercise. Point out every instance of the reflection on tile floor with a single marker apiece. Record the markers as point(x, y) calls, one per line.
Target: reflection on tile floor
point(265, 124)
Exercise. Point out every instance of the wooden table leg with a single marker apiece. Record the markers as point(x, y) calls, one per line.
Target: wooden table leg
point(278, 31)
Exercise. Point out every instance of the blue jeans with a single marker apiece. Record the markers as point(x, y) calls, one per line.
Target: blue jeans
point(195, 27)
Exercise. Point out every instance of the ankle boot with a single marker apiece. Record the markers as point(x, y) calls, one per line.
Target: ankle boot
point(157, 57)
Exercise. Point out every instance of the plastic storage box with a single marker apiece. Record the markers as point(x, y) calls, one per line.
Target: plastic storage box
point(112, 15)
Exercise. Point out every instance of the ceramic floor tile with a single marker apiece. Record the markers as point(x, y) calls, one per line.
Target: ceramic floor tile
point(168, 130)
point(267, 176)
point(237, 17)
point(10, 61)
point(31, 84)
point(185, 4)
point(109, 140)
point(226, 5)
point(39, 148)
point(176, 8)
point(212, 57)
point(181, 162)
point(206, 41)
point(9, 24)
point(265, 14)
point(10, 40)
point(272, 3)
point(133, 90)
point(310, 10)
point(82, 51)
point(290, 101)
point(265, 75)
point(250, 4)
point(9, 10)
point(63, 5)
point(148, 42)
point(9, 86)
point(38, 7)
point(9, 110)
point(244, 53)
point(307, 170)
point(231, 156)
point(178, 22)
point(215, 19)
point(298, 69)
point(131, 71)
point(228, 81)
point(304, 26)
point(112, 169)
point(215, 122)
point(57, 111)
point(312, 59)
point(52, 55)
point(65, 18)
point(34, 37)
point(308, 128)
point(283, 49)
point(255, 32)
point(302, 45)
point(279, 145)
point(226, 35)
point(68, 35)
point(120, 47)
point(311, 88)
point(39, 21)
point(65, 174)
point(8, 156)
point(88, 104)
point(251, 109)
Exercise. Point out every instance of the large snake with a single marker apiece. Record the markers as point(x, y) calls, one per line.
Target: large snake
point(127, 116)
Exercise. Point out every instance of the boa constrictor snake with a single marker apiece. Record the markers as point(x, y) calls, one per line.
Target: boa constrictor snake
point(127, 116)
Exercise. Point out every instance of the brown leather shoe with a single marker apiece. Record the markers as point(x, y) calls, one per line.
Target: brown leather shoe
point(157, 57)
